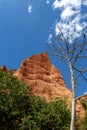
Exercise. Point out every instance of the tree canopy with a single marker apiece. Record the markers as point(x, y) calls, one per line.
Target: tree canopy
point(22, 110)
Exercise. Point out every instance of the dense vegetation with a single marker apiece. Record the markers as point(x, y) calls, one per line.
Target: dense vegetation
point(81, 124)
point(21, 110)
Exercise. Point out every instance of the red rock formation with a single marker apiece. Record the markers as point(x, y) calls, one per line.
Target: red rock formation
point(44, 79)
point(84, 97)
point(78, 106)
point(4, 69)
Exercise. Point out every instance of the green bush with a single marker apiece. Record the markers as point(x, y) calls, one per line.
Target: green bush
point(15, 101)
point(21, 110)
point(52, 116)
point(81, 124)
point(84, 121)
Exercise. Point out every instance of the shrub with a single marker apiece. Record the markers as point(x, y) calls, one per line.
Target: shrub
point(52, 116)
point(21, 110)
point(15, 101)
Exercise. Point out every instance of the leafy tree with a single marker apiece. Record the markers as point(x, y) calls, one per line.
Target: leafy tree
point(81, 123)
point(84, 103)
point(21, 110)
point(84, 121)
point(15, 101)
point(52, 116)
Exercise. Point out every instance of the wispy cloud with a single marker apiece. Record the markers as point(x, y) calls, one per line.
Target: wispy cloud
point(47, 1)
point(49, 38)
point(72, 21)
point(65, 3)
point(30, 9)
point(85, 2)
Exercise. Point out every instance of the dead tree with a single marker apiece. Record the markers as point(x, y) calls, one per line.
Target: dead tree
point(72, 52)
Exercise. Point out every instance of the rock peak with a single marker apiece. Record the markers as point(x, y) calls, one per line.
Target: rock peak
point(45, 79)
point(43, 57)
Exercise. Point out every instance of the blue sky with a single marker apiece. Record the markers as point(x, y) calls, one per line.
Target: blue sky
point(22, 33)
point(25, 28)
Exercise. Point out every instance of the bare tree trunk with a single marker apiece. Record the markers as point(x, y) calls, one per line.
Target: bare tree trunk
point(72, 125)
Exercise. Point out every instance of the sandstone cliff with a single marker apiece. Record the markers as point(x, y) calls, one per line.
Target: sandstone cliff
point(45, 80)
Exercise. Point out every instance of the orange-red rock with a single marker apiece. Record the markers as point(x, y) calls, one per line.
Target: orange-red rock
point(4, 69)
point(45, 79)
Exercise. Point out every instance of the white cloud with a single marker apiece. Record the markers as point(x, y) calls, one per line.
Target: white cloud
point(65, 3)
point(68, 12)
point(50, 37)
point(85, 2)
point(56, 4)
point(47, 2)
point(30, 9)
point(72, 22)
point(79, 27)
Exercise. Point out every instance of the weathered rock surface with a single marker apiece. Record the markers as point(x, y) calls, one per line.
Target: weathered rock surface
point(44, 79)
point(84, 97)
point(4, 69)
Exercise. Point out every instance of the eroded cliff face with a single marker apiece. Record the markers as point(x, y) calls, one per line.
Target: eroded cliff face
point(45, 80)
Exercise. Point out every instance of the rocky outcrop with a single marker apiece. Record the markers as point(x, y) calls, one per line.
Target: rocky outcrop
point(3, 68)
point(84, 97)
point(44, 79)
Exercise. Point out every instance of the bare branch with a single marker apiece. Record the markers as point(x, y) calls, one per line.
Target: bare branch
point(65, 41)
point(79, 52)
point(81, 73)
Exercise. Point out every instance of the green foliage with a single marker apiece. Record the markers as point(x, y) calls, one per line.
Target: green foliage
point(55, 115)
point(84, 103)
point(14, 101)
point(21, 110)
point(81, 124)
point(84, 121)
point(52, 116)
